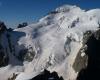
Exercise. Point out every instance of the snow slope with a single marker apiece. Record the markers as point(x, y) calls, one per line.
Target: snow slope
point(55, 40)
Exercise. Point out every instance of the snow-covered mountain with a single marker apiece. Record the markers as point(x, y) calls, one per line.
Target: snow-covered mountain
point(57, 42)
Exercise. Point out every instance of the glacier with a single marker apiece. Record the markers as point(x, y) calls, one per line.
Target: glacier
point(52, 43)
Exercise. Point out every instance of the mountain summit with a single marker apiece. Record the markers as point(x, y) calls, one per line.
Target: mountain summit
point(59, 42)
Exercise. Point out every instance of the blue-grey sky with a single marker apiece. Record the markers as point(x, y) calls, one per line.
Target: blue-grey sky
point(13, 12)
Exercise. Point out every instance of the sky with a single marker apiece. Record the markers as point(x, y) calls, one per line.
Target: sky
point(13, 12)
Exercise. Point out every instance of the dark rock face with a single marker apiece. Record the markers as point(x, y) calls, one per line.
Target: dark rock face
point(46, 75)
point(22, 54)
point(92, 71)
point(2, 27)
point(82, 61)
point(4, 59)
point(26, 55)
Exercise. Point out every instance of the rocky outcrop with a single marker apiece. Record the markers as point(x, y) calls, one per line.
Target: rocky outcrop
point(46, 75)
point(26, 54)
point(4, 59)
point(88, 65)
point(81, 60)
point(13, 77)
point(2, 27)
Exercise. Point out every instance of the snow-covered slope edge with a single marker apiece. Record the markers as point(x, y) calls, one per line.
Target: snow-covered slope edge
point(52, 43)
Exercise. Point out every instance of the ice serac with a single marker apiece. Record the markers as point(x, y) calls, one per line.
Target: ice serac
point(55, 43)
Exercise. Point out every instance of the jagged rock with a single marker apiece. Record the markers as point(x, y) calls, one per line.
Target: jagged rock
point(2, 27)
point(91, 72)
point(10, 29)
point(46, 75)
point(22, 54)
point(81, 60)
point(4, 59)
point(22, 25)
point(26, 55)
point(13, 77)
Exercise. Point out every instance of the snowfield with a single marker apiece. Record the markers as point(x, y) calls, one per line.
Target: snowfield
point(55, 39)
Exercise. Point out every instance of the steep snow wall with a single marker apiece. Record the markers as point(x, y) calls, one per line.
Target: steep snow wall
point(52, 43)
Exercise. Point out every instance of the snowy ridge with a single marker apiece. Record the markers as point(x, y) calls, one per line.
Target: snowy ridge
point(55, 40)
